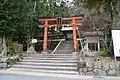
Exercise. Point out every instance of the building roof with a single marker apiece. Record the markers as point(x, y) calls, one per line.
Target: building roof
point(67, 28)
point(96, 33)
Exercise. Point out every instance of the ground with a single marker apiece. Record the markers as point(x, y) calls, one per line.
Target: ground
point(23, 77)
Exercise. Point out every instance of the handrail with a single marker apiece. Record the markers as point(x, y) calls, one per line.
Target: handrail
point(57, 46)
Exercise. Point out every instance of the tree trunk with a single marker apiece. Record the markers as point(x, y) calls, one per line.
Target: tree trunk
point(113, 27)
point(4, 51)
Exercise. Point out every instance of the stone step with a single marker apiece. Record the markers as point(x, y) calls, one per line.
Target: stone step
point(50, 61)
point(44, 71)
point(45, 67)
point(48, 64)
point(65, 52)
point(68, 42)
point(35, 56)
point(67, 45)
point(65, 49)
point(50, 55)
point(50, 58)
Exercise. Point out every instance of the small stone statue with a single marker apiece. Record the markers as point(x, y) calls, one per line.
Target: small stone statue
point(31, 50)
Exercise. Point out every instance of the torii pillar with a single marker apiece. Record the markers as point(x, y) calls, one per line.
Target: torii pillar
point(45, 36)
point(74, 34)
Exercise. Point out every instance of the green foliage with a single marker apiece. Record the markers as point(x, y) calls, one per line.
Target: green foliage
point(94, 3)
point(51, 9)
point(10, 15)
point(10, 48)
point(81, 44)
point(12, 19)
point(15, 16)
point(103, 49)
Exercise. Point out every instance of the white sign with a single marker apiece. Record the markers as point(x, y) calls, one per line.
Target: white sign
point(116, 42)
point(34, 40)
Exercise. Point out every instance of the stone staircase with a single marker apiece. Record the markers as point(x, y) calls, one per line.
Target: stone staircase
point(66, 47)
point(46, 63)
point(62, 62)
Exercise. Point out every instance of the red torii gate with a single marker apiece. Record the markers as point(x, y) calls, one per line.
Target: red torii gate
point(63, 19)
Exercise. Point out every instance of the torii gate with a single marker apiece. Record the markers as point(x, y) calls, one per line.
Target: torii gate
point(46, 25)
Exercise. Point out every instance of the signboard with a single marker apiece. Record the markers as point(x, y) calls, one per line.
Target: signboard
point(34, 40)
point(116, 42)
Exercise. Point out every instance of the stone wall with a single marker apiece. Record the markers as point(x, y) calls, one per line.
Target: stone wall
point(98, 66)
point(18, 47)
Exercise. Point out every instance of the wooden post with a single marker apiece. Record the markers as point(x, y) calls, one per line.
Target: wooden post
point(45, 35)
point(99, 46)
point(74, 34)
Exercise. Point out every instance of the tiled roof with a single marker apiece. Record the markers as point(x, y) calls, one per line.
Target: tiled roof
point(97, 33)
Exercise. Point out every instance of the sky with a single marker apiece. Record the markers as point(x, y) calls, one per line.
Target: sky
point(65, 1)
point(70, 0)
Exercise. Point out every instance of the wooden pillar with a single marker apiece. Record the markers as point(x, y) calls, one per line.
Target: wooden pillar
point(45, 35)
point(98, 45)
point(87, 48)
point(74, 34)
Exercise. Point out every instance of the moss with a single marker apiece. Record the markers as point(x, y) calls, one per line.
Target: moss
point(10, 48)
point(103, 50)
